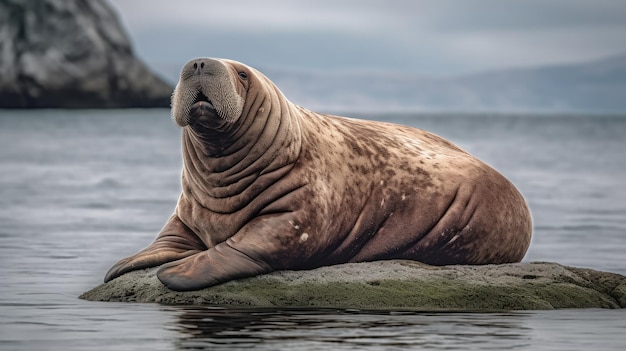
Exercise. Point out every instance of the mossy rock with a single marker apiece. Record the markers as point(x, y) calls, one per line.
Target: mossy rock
point(391, 285)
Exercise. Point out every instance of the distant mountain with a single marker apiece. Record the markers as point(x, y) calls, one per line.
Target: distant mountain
point(598, 86)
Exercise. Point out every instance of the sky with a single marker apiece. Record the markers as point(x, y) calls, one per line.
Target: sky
point(429, 38)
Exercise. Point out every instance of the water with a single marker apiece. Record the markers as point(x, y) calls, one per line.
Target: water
point(81, 189)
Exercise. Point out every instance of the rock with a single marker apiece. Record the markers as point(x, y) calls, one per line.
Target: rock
point(392, 285)
point(71, 54)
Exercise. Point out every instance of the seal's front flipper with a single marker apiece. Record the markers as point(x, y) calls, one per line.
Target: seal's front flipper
point(211, 267)
point(174, 242)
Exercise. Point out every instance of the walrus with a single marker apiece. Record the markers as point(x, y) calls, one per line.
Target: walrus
point(268, 185)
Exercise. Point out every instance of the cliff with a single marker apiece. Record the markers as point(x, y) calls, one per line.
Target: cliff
point(71, 54)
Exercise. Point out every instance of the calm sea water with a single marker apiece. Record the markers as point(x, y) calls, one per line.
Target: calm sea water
point(81, 189)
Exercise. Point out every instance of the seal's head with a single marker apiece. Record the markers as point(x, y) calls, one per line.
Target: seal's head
point(209, 91)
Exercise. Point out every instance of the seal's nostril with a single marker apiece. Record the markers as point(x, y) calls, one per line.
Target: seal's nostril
point(202, 67)
point(198, 67)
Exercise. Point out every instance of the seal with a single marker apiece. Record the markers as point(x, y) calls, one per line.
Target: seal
point(268, 185)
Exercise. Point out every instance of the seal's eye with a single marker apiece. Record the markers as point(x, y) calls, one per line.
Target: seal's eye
point(243, 75)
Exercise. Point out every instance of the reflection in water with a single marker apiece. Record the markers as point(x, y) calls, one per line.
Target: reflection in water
point(265, 329)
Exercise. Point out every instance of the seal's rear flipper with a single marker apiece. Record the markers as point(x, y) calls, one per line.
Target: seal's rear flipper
point(174, 242)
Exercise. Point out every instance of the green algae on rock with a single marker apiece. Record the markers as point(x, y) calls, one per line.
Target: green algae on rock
point(391, 285)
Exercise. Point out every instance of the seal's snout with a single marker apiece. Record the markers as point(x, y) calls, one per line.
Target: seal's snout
point(203, 67)
point(206, 92)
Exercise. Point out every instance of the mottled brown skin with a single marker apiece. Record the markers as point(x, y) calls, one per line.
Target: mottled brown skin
point(268, 185)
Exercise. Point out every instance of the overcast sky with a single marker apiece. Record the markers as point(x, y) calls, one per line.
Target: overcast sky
point(432, 38)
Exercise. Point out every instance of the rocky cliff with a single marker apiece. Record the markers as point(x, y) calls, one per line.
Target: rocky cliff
point(71, 54)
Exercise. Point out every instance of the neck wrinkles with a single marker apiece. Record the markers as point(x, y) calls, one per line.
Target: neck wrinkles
point(213, 138)
point(264, 145)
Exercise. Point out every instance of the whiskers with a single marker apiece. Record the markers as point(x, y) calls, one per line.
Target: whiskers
point(182, 100)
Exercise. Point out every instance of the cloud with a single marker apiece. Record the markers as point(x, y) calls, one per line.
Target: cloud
point(424, 37)
point(250, 15)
